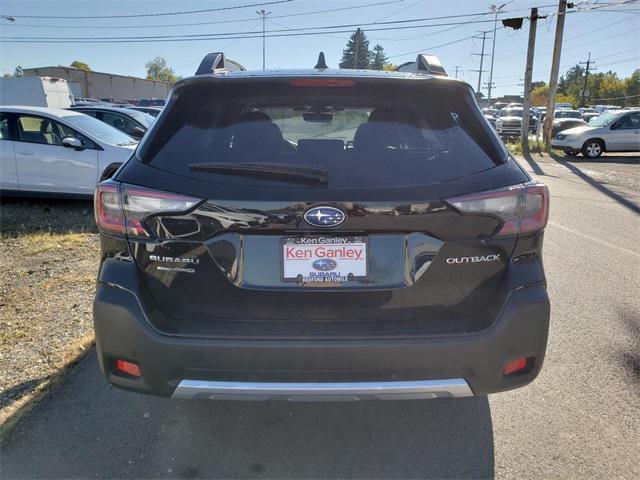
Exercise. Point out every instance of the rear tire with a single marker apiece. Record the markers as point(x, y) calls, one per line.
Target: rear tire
point(593, 148)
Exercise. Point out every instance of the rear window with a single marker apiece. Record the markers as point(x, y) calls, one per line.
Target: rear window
point(370, 133)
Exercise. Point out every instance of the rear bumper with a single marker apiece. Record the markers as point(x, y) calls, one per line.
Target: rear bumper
point(322, 391)
point(170, 365)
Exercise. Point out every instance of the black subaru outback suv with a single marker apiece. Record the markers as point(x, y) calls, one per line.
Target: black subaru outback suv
point(321, 234)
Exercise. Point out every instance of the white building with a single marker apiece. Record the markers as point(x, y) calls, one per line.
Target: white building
point(106, 86)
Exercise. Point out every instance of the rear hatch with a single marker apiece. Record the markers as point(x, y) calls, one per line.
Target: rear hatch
point(318, 206)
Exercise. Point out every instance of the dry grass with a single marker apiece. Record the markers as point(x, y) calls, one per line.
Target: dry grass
point(42, 242)
point(49, 256)
point(535, 146)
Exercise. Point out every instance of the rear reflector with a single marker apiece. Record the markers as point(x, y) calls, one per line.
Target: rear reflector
point(128, 368)
point(515, 366)
point(522, 208)
point(122, 208)
point(322, 82)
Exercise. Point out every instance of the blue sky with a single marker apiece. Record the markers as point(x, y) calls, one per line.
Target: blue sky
point(612, 35)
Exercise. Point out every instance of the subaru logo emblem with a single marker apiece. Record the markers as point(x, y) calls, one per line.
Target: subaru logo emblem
point(324, 216)
point(324, 264)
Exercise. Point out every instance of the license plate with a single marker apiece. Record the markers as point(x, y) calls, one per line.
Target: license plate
point(324, 259)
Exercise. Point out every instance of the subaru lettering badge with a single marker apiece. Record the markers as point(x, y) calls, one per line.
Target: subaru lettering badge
point(324, 264)
point(324, 216)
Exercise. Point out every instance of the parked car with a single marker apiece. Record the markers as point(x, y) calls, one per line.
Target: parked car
point(321, 234)
point(133, 123)
point(55, 152)
point(509, 123)
point(152, 102)
point(588, 114)
point(36, 92)
point(153, 111)
point(606, 108)
point(617, 131)
point(491, 115)
point(564, 119)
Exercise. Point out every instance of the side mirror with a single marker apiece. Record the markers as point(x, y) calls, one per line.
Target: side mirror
point(72, 142)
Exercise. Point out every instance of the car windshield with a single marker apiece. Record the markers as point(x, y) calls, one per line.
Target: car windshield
point(144, 118)
point(604, 119)
point(99, 130)
point(370, 134)
point(568, 114)
point(511, 112)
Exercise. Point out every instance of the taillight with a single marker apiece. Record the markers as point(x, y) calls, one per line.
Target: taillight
point(322, 82)
point(122, 208)
point(106, 205)
point(522, 208)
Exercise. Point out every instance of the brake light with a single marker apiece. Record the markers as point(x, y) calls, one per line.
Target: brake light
point(106, 205)
point(122, 208)
point(522, 208)
point(322, 82)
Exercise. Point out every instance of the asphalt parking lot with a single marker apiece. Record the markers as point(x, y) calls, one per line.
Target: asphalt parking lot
point(579, 419)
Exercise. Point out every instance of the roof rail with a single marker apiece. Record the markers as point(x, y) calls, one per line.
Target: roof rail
point(216, 62)
point(426, 64)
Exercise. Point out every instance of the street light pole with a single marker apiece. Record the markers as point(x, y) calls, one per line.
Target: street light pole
point(263, 14)
point(496, 11)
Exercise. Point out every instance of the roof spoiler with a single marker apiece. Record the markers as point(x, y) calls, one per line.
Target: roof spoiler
point(217, 63)
point(425, 64)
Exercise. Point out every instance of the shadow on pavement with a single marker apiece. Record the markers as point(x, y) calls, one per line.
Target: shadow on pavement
point(89, 429)
point(596, 184)
point(607, 158)
point(533, 164)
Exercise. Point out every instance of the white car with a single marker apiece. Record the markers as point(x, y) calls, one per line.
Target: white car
point(55, 152)
point(611, 132)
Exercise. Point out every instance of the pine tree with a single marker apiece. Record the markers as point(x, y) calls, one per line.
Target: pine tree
point(379, 59)
point(357, 54)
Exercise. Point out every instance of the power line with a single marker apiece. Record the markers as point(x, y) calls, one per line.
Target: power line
point(138, 15)
point(241, 20)
point(348, 25)
point(203, 36)
point(432, 47)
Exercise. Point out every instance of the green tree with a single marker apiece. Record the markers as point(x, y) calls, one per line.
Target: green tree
point(611, 88)
point(356, 54)
point(17, 72)
point(632, 89)
point(157, 69)
point(81, 65)
point(571, 80)
point(379, 58)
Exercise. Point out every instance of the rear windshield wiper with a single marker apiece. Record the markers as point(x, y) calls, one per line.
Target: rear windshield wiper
point(287, 173)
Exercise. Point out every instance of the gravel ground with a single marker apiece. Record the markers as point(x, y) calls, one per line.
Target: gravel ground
point(48, 250)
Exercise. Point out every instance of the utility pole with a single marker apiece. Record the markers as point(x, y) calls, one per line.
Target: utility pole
point(457, 67)
point(586, 77)
point(263, 14)
point(496, 11)
point(555, 70)
point(528, 74)
point(482, 55)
